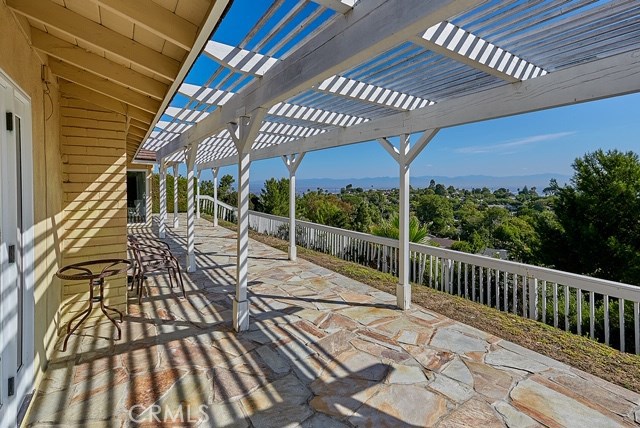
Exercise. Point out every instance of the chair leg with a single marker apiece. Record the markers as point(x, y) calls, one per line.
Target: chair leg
point(140, 286)
point(170, 279)
point(184, 293)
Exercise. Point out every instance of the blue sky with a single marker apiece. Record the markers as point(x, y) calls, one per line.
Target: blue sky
point(541, 142)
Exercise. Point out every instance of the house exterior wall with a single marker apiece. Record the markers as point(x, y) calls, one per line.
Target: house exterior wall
point(94, 165)
point(79, 181)
point(22, 64)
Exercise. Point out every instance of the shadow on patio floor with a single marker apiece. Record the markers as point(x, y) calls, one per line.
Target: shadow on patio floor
point(322, 351)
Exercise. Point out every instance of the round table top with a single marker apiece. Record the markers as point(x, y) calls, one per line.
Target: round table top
point(91, 270)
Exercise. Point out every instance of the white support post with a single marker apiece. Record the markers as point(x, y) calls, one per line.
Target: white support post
point(292, 162)
point(404, 155)
point(240, 302)
point(162, 226)
point(215, 171)
point(176, 223)
point(403, 289)
point(243, 134)
point(190, 155)
point(198, 194)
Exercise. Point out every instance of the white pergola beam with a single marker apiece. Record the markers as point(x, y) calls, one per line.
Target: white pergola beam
point(456, 43)
point(373, 94)
point(422, 142)
point(337, 5)
point(608, 77)
point(240, 60)
point(390, 148)
point(345, 43)
point(282, 109)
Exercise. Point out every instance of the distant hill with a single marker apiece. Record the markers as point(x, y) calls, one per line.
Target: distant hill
point(462, 182)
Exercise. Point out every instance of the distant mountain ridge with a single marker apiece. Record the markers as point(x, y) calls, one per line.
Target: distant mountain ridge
point(512, 183)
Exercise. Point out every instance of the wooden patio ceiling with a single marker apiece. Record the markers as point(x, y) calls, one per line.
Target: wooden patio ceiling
point(125, 56)
point(327, 73)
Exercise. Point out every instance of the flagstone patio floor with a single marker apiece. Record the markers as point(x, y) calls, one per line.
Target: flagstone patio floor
point(322, 351)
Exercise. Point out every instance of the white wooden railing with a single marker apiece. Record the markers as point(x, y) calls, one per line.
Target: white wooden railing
point(604, 310)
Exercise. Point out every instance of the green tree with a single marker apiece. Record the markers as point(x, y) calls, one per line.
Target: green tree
point(518, 237)
point(274, 198)
point(598, 218)
point(436, 211)
point(391, 229)
point(225, 190)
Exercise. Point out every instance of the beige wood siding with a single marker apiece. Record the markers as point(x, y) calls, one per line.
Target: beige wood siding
point(94, 165)
point(24, 66)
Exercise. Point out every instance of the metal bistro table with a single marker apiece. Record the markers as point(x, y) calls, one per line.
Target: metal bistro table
point(90, 271)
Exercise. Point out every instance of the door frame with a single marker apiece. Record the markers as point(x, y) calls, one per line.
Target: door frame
point(147, 195)
point(25, 377)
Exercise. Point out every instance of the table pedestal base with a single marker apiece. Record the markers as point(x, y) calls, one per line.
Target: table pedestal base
point(85, 314)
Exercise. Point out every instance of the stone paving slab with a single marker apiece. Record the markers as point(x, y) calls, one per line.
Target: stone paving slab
point(322, 351)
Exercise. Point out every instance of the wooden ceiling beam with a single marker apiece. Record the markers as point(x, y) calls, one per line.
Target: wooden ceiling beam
point(156, 19)
point(75, 25)
point(103, 86)
point(96, 64)
point(73, 90)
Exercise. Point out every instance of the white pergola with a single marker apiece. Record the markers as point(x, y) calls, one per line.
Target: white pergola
point(329, 73)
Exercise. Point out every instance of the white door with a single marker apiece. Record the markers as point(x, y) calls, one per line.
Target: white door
point(16, 298)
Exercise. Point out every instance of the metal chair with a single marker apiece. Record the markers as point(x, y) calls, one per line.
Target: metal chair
point(152, 256)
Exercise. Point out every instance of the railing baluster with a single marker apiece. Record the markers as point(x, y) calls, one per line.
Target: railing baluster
point(606, 319)
point(544, 301)
point(473, 283)
point(515, 293)
point(566, 308)
point(489, 293)
point(497, 278)
point(506, 291)
point(621, 322)
point(430, 271)
point(481, 285)
point(592, 313)
point(459, 274)
point(579, 311)
point(533, 299)
point(466, 281)
point(636, 327)
point(555, 304)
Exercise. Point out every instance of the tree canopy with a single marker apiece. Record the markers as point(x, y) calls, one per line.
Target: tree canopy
point(598, 228)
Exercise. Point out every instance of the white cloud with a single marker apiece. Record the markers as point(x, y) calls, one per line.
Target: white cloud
point(509, 147)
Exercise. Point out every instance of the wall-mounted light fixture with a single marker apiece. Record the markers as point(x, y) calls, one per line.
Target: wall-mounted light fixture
point(9, 121)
